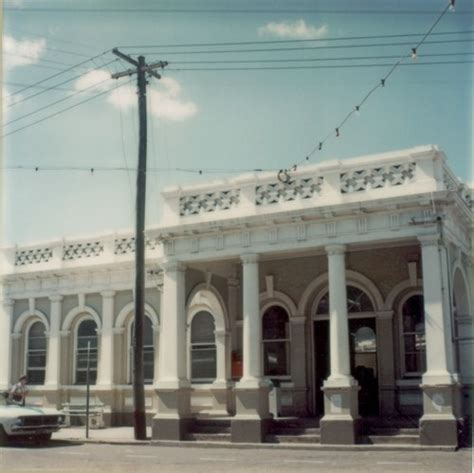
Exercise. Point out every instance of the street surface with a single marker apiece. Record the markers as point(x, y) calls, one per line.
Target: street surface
point(81, 458)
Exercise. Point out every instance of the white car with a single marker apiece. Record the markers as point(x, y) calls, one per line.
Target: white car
point(17, 421)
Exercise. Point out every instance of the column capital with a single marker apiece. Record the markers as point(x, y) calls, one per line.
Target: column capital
point(298, 319)
point(65, 333)
point(108, 294)
point(335, 249)
point(15, 335)
point(56, 298)
point(118, 330)
point(384, 314)
point(249, 258)
point(172, 265)
point(429, 240)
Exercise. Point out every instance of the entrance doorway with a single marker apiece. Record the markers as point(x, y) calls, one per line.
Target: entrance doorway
point(363, 353)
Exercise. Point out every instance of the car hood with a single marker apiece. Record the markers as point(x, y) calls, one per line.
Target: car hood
point(26, 411)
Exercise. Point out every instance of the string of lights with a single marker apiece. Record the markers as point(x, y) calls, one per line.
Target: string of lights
point(284, 174)
point(94, 169)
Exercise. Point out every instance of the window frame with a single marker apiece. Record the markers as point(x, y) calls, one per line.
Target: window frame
point(287, 341)
point(27, 350)
point(401, 336)
point(205, 345)
point(75, 357)
point(129, 349)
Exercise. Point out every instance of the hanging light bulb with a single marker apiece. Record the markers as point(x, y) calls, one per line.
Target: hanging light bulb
point(337, 133)
point(413, 53)
point(357, 110)
point(382, 81)
point(320, 146)
point(452, 6)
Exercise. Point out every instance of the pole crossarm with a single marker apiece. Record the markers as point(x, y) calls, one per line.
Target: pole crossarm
point(149, 68)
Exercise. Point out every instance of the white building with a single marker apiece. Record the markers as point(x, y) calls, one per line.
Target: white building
point(348, 287)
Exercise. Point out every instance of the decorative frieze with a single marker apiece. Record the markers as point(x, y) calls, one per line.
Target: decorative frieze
point(126, 245)
point(33, 256)
point(375, 178)
point(276, 192)
point(209, 202)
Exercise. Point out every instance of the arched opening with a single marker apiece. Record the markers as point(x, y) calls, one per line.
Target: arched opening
point(148, 351)
point(203, 348)
point(86, 352)
point(36, 353)
point(276, 342)
point(413, 336)
point(363, 348)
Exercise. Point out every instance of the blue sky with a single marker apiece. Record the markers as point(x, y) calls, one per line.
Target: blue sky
point(238, 119)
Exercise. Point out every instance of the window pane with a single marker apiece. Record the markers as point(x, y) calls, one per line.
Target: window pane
point(36, 360)
point(203, 363)
point(275, 359)
point(357, 301)
point(410, 344)
point(87, 328)
point(202, 328)
point(364, 340)
point(275, 324)
point(37, 343)
point(36, 330)
point(411, 363)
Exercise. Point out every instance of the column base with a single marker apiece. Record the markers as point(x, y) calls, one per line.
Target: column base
point(251, 430)
point(339, 430)
point(169, 428)
point(341, 423)
point(174, 413)
point(441, 418)
point(252, 419)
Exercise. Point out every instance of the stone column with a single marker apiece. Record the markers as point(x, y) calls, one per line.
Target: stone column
point(385, 362)
point(53, 360)
point(252, 416)
point(172, 387)
point(341, 410)
point(440, 385)
point(105, 369)
point(6, 315)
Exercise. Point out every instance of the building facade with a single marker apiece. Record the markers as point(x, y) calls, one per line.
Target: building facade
point(346, 284)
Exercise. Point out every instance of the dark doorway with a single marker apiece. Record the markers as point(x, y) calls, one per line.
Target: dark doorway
point(363, 348)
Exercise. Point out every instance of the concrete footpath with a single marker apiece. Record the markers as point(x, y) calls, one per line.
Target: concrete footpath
point(125, 436)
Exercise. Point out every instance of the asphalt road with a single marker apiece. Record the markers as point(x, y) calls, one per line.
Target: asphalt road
point(81, 458)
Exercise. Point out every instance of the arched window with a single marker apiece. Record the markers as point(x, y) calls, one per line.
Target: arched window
point(86, 351)
point(36, 353)
point(357, 301)
point(276, 341)
point(413, 328)
point(203, 348)
point(148, 351)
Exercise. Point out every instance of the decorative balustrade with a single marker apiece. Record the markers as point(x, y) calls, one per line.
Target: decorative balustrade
point(377, 177)
point(275, 192)
point(453, 185)
point(208, 202)
point(33, 256)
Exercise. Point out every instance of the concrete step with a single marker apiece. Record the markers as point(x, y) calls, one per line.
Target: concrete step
point(294, 431)
point(400, 439)
point(309, 438)
point(391, 431)
point(206, 437)
point(296, 422)
point(221, 422)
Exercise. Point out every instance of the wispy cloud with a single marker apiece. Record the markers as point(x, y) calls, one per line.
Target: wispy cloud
point(97, 77)
point(297, 30)
point(22, 52)
point(165, 102)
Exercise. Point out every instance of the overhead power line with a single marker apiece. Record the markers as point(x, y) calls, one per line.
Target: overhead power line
point(292, 41)
point(63, 110)
point(63, 71)
point(28, 97)
point(305, 48)
point(327, 66)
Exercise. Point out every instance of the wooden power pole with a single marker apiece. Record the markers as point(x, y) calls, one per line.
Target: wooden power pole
point(141, 68)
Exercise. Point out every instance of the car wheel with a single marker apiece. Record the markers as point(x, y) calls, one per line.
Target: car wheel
point(4, 440)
